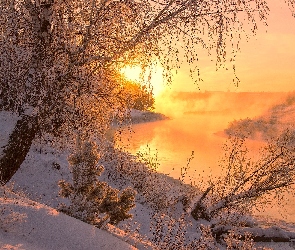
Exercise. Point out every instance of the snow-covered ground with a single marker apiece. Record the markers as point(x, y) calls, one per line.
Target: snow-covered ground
point(29, 219)
point(26, 224)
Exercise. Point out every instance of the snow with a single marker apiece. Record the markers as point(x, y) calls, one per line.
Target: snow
point(41, 226)
point(45, 228)
point(275, 246)
point(7, 123)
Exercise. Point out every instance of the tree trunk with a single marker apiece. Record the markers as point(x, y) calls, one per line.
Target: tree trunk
point(200, 210)
point(18, 146)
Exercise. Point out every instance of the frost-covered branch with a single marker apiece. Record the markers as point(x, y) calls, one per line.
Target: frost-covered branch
point(246, 181)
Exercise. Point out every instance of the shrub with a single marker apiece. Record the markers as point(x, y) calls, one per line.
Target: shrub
point(91, 200)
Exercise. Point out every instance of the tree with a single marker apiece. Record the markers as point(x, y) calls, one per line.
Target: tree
point(246, 182)
point(142, 96)
point(59, 59)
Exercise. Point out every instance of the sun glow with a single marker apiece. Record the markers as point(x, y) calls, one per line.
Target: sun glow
point(152, 76)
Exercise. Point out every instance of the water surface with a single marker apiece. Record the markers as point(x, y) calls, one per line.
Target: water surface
point(198, 131)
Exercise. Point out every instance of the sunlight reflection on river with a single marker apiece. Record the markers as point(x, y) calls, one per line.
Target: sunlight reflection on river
point(201, 132)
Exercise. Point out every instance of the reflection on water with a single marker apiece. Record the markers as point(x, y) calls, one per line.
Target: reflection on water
point(200, 132)
point(174, 140)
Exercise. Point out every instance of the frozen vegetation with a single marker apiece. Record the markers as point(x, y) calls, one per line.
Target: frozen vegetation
point(31, 216)
point(64, 185)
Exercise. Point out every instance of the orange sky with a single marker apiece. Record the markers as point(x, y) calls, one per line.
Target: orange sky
point(266, 62)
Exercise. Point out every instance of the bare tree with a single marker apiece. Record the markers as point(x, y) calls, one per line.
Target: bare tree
point(245, 181)
point(59, 59)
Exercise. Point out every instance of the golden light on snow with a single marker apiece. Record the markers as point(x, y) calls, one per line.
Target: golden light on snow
point(152, 76)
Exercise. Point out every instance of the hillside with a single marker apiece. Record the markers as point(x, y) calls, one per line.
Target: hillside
point(26, 224)
point(161, 218)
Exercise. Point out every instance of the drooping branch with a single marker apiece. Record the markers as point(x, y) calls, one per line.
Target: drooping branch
point(244, 183)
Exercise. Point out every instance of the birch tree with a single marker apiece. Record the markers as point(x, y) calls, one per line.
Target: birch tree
point(59, 59)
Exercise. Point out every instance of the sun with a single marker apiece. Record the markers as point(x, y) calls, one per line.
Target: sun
point(132, 73)
point(153, 75)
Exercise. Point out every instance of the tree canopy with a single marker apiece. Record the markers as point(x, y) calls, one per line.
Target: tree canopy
point(60, 59)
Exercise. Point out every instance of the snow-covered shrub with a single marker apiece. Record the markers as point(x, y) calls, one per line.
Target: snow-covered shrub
point(125, 169)
point(181, 234)
point(168, 233)
point(235, 241)
point(91, 200)
point(159, 191)
point(206, 241)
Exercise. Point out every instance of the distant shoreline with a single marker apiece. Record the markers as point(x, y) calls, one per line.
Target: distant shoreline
point(146, 116)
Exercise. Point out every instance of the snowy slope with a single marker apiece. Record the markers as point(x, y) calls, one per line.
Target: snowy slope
point(44, 228)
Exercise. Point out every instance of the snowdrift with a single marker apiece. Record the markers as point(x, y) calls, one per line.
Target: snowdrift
point(39, 227)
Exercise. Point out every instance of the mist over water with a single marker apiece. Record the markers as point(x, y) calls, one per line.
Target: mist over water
point(197, 125)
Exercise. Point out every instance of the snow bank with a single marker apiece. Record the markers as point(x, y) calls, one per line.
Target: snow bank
point(45, 228)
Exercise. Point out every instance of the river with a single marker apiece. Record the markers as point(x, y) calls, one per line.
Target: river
point(196, 129)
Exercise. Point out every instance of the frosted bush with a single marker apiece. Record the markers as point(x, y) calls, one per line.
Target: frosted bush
point(91, 200)
point(235, 241)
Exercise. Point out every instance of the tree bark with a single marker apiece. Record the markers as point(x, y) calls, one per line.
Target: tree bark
point(200, 210)
point(18, 146)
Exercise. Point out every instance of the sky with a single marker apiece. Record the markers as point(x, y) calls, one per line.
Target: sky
point(266, 61)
